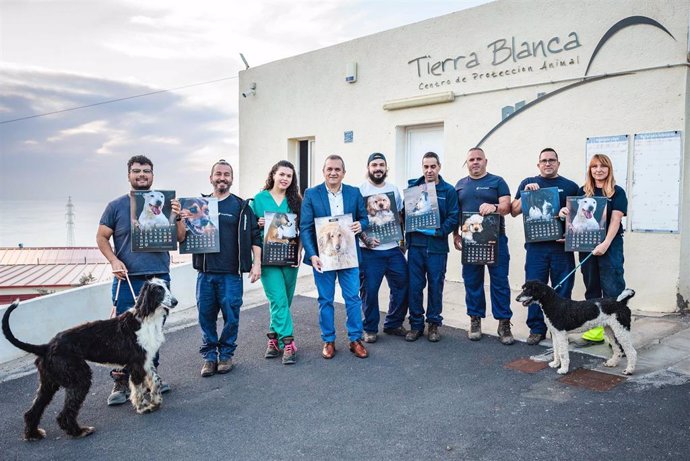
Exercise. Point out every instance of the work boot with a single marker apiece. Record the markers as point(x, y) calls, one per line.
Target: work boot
point(504, 333)
point(209, 369)
point(224, 366)
point(290, 351)
point(273, 349)
point(475, 332)
point(535, 338)
point(119, 394)
point(397, 331)
point(413, 335)
point(432, 333)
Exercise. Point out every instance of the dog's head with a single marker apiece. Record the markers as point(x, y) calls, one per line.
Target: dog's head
point(199, 216)
point(473, 224)
point(378, 202)
point(586, 207)
point(154, 201)
point(332, 239)
point(281, 220)
point(533, 291)
point(154, 295)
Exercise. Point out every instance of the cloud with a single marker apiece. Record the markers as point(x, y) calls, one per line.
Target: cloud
point(83, 153)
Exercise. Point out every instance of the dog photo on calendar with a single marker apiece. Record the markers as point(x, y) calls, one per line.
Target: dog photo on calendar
point(540, 214)
point(384, 218)
point(585, 225)
point(153, 223)
point(200, 217)
point(280, 239)
point(336, 242)
point(479, 238)
point(421, 208)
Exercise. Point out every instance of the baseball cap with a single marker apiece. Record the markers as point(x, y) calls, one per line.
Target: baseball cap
point(376, 156)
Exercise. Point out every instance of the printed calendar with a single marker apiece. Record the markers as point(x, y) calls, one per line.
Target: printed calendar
point(153, 223)
point(585, 226)
point(384, 218)
point(281, 243)
point(540, 215)
point(202, 230)
point(480, 238)
point(421, 208)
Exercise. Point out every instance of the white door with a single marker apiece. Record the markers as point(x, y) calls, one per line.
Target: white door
point(420, 140)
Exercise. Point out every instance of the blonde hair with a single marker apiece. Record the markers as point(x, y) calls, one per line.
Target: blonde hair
point(610, 183)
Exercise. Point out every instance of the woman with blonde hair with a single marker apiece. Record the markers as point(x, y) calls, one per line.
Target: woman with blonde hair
point(280, 195)
point(603, 272)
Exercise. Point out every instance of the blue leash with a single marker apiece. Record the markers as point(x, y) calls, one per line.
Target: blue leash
point(572, 272)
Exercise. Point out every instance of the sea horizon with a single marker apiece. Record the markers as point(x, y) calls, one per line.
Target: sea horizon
point(34, 223)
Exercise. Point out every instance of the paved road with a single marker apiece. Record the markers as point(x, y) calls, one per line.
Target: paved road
point(450, 400)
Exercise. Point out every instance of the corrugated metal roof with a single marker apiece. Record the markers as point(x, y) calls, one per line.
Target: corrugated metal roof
point(57, 266)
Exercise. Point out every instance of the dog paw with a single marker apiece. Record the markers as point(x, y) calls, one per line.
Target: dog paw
point(562, 371)
point(611, 363)
point(33, 436)
point(554, 364)
point(628, 371)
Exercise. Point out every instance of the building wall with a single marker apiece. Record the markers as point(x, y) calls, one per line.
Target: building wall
point(307, 96)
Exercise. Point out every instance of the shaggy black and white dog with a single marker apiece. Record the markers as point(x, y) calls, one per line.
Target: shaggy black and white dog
point(563, 316)
point(131, 339)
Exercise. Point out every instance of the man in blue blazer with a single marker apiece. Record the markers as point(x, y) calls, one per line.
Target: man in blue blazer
point(333, 198)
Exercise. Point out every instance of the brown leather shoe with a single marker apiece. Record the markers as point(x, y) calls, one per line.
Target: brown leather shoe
point(358, 349)
point(328, 350)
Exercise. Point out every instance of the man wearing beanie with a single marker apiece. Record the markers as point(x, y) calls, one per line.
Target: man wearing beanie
point(381, 260)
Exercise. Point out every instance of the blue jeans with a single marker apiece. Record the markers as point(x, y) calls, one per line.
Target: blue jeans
point(214, 293)
point(349, 284)
point(545, 261)
point(473, 276)
point(603, 275)
point(375, 265)
point(123, 301)
point(423, 267)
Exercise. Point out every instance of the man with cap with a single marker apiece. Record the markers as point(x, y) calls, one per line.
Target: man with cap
point(381, 260)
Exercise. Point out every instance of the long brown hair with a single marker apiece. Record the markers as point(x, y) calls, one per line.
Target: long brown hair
point(292, 194)
point(590, 184)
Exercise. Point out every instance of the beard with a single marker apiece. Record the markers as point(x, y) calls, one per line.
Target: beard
point(377, 181)
point(221, 186)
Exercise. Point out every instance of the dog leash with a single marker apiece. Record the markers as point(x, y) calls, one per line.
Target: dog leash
point(117, 293)
point(572, 272)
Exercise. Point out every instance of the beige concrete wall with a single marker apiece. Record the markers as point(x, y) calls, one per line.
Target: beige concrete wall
point(307, 96)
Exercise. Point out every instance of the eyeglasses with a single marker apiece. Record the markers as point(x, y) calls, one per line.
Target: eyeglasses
point(548, 160)
point(138, 170)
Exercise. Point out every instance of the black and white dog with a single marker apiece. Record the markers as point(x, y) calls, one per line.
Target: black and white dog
point(131, 339)
point(563, 316)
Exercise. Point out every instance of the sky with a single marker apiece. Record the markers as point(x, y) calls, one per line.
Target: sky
point(56, 55)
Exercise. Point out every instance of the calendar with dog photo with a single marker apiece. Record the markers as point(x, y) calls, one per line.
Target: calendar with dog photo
point(202, 232)
point(336, 242)
point(421, 208)
point(280, 240)
point(540, 215)
point(585, 226)
point(153, 222)
point(384, 218)
point(479, 238)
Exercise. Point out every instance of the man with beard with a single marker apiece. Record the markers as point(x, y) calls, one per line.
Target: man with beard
point(219, 285)
point(116, 223)
point(382, 260)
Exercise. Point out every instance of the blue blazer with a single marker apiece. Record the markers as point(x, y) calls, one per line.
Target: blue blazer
point(316, 205)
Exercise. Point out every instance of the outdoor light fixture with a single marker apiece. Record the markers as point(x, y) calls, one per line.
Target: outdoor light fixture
point(416, 101)
point(251, 91)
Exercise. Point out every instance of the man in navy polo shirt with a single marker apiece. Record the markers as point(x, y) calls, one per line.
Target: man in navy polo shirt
point(546, 260)
point(485, 193)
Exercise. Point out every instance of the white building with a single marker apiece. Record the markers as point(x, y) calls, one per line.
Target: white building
point(513, 77)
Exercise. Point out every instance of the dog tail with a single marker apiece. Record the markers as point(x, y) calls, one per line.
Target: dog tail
point(31, 348)
point(625, 295)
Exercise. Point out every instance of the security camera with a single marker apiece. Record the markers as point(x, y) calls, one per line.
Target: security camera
point(251, 91)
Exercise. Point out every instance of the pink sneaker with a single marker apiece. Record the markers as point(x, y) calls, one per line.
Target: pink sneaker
point(290, 351)
point(272, 350)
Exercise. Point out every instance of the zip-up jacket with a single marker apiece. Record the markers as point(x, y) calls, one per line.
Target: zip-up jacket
point(248, 235)
point(448, 209)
